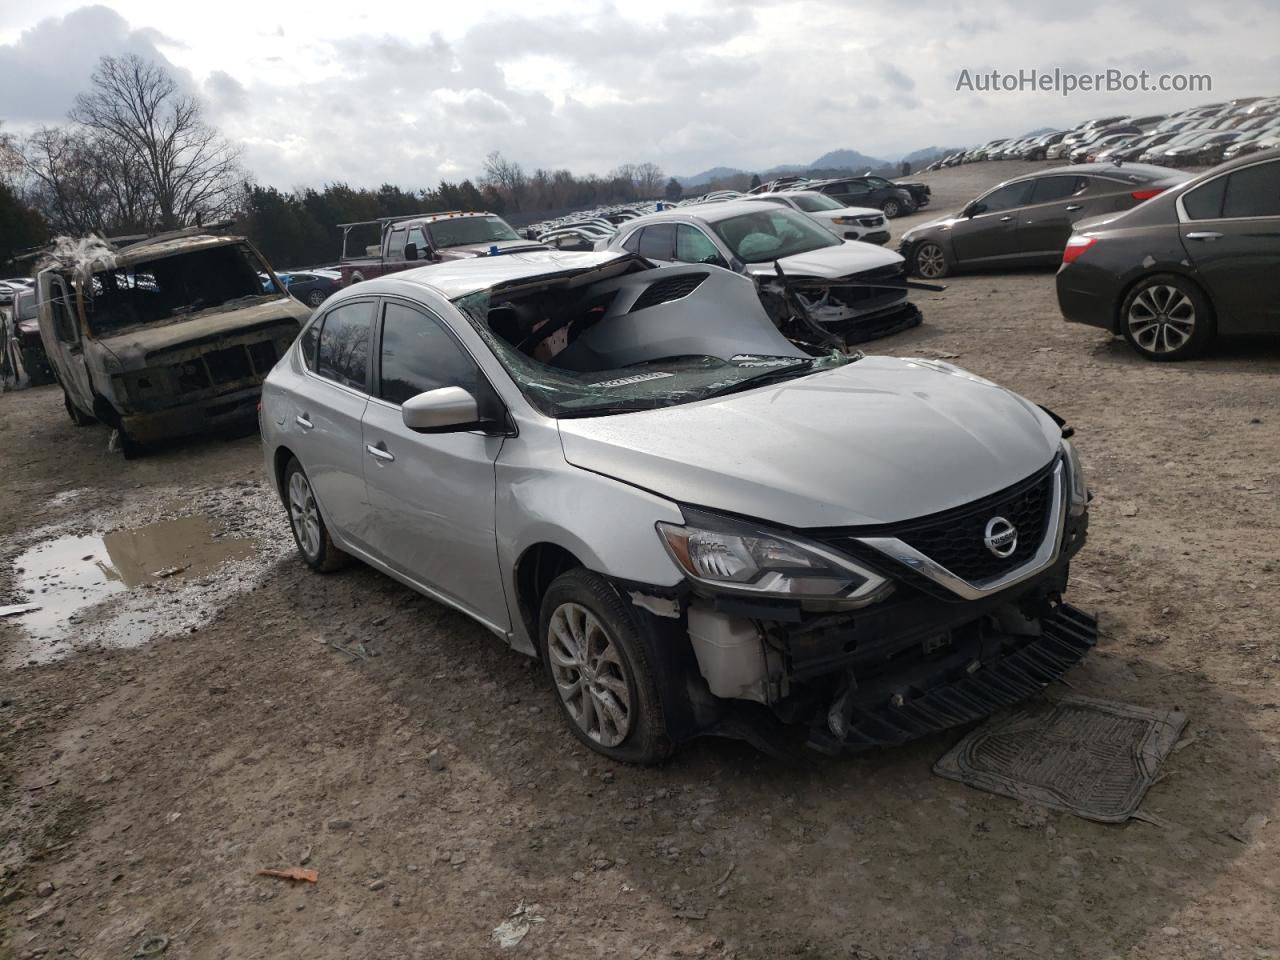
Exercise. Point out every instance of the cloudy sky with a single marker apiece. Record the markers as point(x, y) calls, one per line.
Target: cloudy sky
point(410, 92)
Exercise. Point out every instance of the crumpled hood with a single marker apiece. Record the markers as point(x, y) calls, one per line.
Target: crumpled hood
point(132, 346)
point(881, 440)
point(830, 262)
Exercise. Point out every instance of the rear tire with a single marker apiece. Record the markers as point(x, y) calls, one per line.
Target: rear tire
point(1166, 318)
point(315, 298)
point(597, 656)
point(310, 533)
point(78, 418)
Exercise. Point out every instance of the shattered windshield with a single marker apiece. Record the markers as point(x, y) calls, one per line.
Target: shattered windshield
point(468, 230)
point(669, 381)
point(156, 291)
point(772, 234)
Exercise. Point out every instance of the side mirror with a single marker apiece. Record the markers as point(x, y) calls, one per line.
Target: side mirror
point(737, 266)
point(975, 208)
point(713, 259)
point(445, 410)
point(411, 251)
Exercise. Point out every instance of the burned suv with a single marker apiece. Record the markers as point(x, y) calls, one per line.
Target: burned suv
point(696, 524)
point(168, 336)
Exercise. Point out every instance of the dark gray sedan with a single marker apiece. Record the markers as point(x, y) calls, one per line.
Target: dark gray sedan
point(1200, 260)
point(1026, 221)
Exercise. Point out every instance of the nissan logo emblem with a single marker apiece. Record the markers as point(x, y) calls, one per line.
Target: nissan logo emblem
point(1001, 537)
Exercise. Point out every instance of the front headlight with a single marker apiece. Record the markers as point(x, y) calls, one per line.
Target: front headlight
point(741, 558)
point(845, 221)
point(1079, 489)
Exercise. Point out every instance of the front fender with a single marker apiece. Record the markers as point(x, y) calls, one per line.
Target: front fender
point(606, 524)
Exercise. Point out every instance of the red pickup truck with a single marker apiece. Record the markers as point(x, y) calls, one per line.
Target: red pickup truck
point(419, 239)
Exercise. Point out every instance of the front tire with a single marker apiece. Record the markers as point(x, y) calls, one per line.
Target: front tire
point(929, 262)
point(597, 659)
point(309, 531)
point(1166, 318)
point(892, 209)
point(78, 418)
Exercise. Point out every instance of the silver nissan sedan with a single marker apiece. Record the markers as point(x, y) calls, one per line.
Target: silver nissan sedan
point(698, 526)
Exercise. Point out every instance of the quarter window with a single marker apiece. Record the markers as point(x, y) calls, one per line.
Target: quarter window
point(307, 347)
point(632, 243)
point(1253, 192)
point(419, 354)
point(395, 244)
point(343, 354)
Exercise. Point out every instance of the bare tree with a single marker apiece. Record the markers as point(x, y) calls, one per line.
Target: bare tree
point(81, 182)
point(648, 178)
point(136, 108)
point(506, 177)
point(10, 157)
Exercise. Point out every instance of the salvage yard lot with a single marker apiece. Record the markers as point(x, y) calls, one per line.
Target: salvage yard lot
point(427, 777)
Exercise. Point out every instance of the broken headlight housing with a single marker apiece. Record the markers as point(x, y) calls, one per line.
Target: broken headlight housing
point(1079, 488)
point(739, 557)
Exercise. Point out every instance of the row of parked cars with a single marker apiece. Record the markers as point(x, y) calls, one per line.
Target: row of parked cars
point(1198, 136)
point(1166, 259)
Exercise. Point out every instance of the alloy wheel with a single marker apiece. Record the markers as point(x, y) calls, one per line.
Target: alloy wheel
point(589, 674)
point(891, 208)
point(1162, 319)
point(931, 263)
point(304, 515)
point(315, 298)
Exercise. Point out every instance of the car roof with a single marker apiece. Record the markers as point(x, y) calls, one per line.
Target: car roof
point(460, 278)
point(708, 213)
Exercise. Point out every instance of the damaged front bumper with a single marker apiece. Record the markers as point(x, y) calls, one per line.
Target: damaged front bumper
point(209, 415)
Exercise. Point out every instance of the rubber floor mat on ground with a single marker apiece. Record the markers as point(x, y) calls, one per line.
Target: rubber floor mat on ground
point(1093, 758)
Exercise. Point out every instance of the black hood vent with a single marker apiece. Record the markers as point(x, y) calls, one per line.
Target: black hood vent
point(668, 289)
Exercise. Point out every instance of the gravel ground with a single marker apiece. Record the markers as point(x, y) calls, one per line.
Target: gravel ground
point(432, 786)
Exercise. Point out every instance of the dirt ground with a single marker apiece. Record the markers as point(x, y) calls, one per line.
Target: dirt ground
point(434, 788)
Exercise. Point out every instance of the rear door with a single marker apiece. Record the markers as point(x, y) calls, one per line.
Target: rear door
point(1056, 202)
point(990, 235)
point(432, 493)
point(61, 335)
point(328, 406)
point(1230, 228)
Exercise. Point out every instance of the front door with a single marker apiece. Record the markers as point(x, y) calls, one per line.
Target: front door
point(990, 234)
point(432, 493)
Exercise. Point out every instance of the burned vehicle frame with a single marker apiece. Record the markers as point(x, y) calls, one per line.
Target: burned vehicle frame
point(697, 525)
point(162, 336)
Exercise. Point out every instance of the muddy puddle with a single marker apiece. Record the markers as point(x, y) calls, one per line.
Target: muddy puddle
point(122, 588)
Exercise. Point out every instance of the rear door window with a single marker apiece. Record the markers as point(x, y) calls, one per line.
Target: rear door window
point(1048, 189)
point(1205, 203)
point(343, 354)
point(1253, 192)
point(658, 242)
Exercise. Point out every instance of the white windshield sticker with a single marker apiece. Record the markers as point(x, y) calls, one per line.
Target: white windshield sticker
point(627, 381)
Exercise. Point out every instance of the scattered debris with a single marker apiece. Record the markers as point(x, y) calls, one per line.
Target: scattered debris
point(724, 877)
point(151, 947)
point(356, 651)
point(45, 889)
point(515, 928)
point(18, 609)
point(302, 874)
point(690, 913)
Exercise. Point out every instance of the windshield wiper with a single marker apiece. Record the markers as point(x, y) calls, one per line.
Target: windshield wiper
point(610, 410)
point(760, 379)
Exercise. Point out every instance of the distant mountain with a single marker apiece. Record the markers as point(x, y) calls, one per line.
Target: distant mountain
point(834, 160)
point(925, 156)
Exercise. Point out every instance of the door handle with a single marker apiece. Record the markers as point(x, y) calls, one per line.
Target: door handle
point(380, 452)
point(1005, 219)
point(302, 421)
point(1204, 235)
point(1072, 206)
